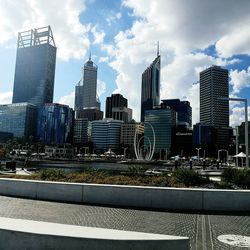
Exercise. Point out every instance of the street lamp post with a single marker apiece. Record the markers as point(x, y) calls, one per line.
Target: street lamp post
point(124, 152)
point(198, 153)
point(236, 145)
point(246, 122)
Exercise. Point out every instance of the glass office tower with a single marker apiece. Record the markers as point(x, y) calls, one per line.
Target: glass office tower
point(150, 88)
point(55, 124)
point(19, 119)
point(163, 121)
point(35, 67)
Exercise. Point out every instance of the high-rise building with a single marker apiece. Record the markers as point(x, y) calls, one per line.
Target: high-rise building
point(19, 119)
point(80, 136)
point(55, 124)
point(162, 121)
point(105, 134)
point(85, 91)
point(213, 110)
point(35, 67)
point(150, 87)
point(117, 108)
point(182, 108)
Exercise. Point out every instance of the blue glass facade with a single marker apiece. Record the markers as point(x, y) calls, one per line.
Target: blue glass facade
point(35, 69)
point(182, 108)
point(55, 124)
point(163, 121)
point(19, 119)
point(150, 88)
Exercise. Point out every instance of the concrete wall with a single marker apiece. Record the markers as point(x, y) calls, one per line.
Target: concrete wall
point(16, 234)
point(130, 196)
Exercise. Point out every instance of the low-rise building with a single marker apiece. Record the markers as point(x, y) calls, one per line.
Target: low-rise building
point(105, 134)
point(18, 119)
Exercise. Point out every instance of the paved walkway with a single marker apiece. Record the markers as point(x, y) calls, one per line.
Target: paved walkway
point(202, 229)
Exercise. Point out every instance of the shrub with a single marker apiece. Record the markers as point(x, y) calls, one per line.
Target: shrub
point(188, 177)
point(52, 174)
point(238, 177)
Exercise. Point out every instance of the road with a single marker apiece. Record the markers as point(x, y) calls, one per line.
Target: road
point(202, 229)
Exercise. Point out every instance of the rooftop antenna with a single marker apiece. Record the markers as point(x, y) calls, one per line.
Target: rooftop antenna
point(158, 48)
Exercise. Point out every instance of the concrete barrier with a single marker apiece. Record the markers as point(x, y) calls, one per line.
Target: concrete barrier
point(130, 196)
point(147, 197)
point(18, 188)
point(58, 191)
point(226, 200)
point(17, 234)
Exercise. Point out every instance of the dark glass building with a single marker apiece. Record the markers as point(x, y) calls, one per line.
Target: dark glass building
point(55, 124)
point(150, 88)
point(80, 136)
point(115, 101)
point(213, 111)
point(117, 108)
point(35, 67)
point(5, 136)
point(182, 108)
point(89, 114)
point(18, 119)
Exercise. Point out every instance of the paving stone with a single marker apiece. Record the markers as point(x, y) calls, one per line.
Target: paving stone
point(202, 229)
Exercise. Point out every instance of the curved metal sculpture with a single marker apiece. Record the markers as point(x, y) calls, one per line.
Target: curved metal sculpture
point(138, 149)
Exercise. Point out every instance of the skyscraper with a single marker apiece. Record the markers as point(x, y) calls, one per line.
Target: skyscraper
point(150, 88)
point(85, 91)
point(35, 67)
point(213, 111)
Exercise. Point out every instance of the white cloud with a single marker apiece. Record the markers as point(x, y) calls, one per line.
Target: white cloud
point(183, 28)
point(237, 115)
point(240, 79)
point(236, 42)
point(69, 34)
point(101, 87)
point(5, 97)
point(194, 24)
point(98, 35)
point(113, 18)
point(103, 59)
point(68, 99)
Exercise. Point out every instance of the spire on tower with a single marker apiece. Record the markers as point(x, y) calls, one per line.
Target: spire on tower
point(90, 55)
point(158, 48)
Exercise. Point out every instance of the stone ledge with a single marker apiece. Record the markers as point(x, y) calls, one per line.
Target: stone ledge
point(130, 196)
point(20, 234)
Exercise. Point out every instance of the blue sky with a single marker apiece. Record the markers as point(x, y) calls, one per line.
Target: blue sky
point(122, 37)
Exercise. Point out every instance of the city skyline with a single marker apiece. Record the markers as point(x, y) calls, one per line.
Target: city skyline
point(123, 43)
